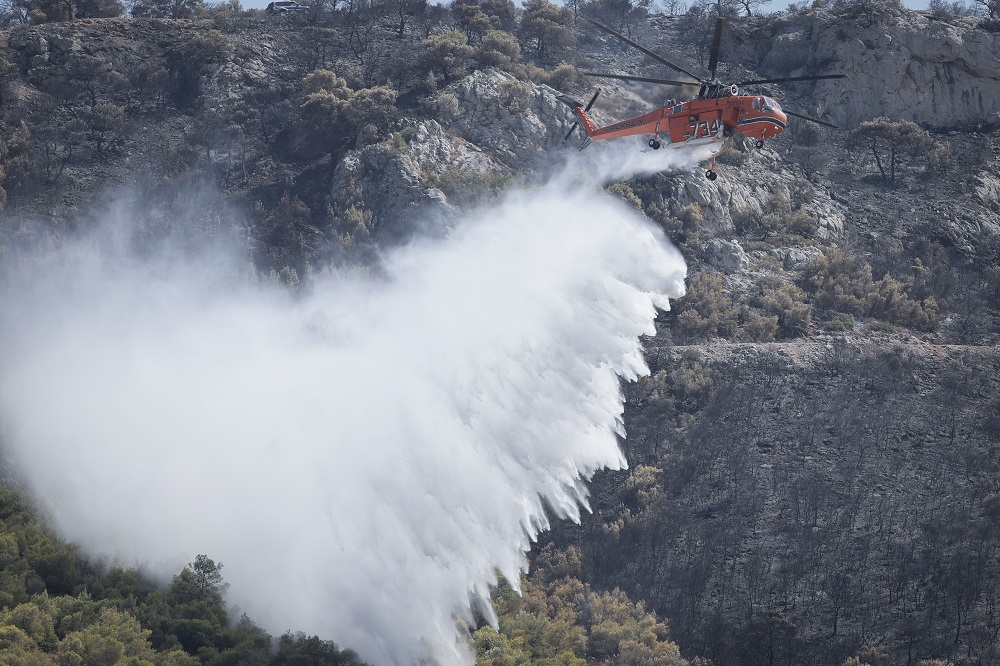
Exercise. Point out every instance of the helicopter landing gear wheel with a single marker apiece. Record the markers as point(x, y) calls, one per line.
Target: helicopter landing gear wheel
point(654, 144)
point(711, 175)
point(759, 144)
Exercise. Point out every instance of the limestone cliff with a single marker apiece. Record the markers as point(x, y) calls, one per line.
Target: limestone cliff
point(937, 72)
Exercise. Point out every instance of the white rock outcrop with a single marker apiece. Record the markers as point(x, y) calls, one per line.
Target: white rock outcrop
point(516, 121)
point(405, 176)
point(911, 66)
point(492, 126)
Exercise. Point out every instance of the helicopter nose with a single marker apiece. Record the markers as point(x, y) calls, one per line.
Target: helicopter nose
point(782, 118)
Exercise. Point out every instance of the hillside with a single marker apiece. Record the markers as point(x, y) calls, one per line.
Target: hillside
point(813, 461)
point(803, 503)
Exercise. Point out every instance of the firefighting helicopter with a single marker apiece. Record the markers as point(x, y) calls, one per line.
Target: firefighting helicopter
point(713, 117)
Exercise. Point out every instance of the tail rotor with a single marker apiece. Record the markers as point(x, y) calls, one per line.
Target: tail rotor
point(576, 105)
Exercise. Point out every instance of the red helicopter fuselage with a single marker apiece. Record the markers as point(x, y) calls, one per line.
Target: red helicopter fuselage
point(697, 121)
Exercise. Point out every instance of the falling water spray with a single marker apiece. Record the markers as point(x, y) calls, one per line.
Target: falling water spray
point(363, 457)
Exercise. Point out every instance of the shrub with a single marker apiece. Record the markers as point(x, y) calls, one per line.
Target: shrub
point(372, 106)
point(563, 77)
point(945, 9)
point(169, 9)
point(938, 160)
point(468, 187)
point(881, 326)
point(626, 194)
point(497, 49)
point(691, 216)
point(334, 112)
point(515, 96)
point(690, 383)
point(400, 141)
point(840, 282)
point(324, 80)
point(781, 217)
point(210, 48)
point(785, 302)
point(448, 55)
point(705, 311)
point(841, 322)
point(868, 12)
point(761, 329)
point(891, 302)
point(802, 223)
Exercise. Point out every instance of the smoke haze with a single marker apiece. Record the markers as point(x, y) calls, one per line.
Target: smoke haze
point(362, 457)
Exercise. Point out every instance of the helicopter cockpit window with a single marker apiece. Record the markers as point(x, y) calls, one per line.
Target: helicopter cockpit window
point(756, 103)
point(775, 106)
point(765, 106)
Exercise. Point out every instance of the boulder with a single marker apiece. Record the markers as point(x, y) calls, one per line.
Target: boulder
point(727, 256)
point(793, 258)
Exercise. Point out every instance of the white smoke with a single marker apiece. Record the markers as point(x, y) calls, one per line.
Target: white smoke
point(362, 457)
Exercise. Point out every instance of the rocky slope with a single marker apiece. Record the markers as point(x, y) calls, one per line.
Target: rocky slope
point(806, 502)
point(814, 458)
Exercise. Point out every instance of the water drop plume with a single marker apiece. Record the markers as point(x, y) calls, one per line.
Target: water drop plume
point(621, 159)
point(363, 456)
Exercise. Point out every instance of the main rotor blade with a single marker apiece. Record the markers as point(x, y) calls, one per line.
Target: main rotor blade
point(799, 115)
point(655, 56)
point(713, 59)
point(643, 79)
point(794, 78)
